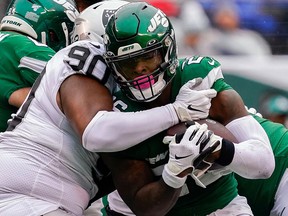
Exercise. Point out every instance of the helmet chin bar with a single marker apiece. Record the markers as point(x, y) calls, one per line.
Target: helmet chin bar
point(142, 95)
point(149, 94)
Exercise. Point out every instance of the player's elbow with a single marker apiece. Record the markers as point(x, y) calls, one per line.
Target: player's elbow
point(102, 144)
point(97, 145)
point(269, 167)
point(256, 162)
point(265, 173)
point(266, 166)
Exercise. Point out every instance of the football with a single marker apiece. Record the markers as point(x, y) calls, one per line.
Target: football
point(214, 126)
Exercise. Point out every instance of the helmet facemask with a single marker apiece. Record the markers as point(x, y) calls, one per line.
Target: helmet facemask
point(139, 86)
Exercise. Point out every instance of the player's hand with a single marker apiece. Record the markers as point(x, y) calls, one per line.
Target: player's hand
point(254, 111)
point(193, 104)
point(206, 158)
point(183, 150)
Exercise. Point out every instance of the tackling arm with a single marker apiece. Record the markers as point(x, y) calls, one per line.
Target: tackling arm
point(254, 147)
point(88, 105)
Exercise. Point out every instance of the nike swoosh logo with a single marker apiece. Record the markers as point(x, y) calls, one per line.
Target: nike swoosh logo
point(211, 62)
point(182, 157)
point(97, 46)
point(193, 109)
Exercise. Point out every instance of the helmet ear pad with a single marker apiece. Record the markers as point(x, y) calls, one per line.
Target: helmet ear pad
point(49, 22)
point(134, 30)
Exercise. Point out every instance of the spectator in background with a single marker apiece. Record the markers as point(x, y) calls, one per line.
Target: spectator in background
point(274, 107)
point(227, 38)
point(252, 14)
point(194, 26)
point(278, 10)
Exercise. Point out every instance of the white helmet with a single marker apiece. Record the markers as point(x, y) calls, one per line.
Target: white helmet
point(91, 22)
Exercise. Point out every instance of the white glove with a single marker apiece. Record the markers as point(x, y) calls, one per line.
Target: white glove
point(193, 104)
point(201, 166)
point(254, 111)
point(183, 152)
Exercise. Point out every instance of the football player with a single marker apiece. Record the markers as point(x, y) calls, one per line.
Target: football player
point(30, 33)
point(49, 163)
point(269, 196)
point(141, 51)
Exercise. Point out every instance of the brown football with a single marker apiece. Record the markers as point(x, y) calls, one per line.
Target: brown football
point(214, 126)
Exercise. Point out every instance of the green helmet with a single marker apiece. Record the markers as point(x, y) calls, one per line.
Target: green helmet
point(48, 21)
point(136, 34)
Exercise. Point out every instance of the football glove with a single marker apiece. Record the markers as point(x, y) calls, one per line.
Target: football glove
point(200, 164)
point(193, 104)
point(183, 150)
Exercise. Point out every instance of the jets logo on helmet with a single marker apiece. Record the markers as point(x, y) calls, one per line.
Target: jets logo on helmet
point(158, 19)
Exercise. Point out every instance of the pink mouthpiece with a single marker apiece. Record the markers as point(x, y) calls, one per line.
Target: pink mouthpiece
point(142, 82)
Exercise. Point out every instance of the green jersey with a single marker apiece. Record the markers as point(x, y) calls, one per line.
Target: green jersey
point(260, 193)
point(194, 200)
point(21, 61)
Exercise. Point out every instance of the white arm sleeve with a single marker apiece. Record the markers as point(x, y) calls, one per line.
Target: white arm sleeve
point(253, 158)
point(116, 131)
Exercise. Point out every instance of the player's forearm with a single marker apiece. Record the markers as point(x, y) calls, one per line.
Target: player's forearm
point(253, 157)
point(116, 131)
point(155, 199)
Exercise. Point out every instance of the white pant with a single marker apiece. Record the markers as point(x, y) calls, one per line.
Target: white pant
point(237, 207)
point(280, 207)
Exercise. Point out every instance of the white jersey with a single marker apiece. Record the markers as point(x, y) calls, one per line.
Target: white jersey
point(41, 147)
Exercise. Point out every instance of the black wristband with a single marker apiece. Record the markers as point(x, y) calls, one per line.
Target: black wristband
point(226, 154)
